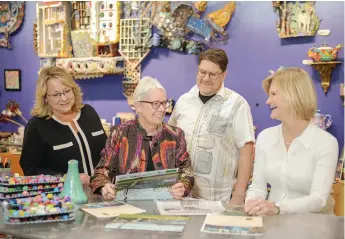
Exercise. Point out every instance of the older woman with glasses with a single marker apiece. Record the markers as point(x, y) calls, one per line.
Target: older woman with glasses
point(61, 129)
point(144, 144)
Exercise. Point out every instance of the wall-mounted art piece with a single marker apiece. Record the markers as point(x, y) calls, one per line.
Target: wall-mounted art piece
point(105, 21)
point(176, 21)
point(12, 80)
point(296, 19)
point(11, 17)
point(324, 61)
point(53, 28)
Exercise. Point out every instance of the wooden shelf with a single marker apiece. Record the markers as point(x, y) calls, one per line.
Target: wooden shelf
point(326, 63)
point(325, 71)
point(294, 36)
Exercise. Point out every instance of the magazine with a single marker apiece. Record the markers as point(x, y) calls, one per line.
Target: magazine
point(234, 225)
point(149, 223)
point(189, 207)
point(235, 211)
point(110, 209)
point(146, 186)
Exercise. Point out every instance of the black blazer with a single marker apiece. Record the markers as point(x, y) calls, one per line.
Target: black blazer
point(49, 144)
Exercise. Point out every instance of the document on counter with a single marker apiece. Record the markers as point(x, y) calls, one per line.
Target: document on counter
point(152, 185)
point(234, 225)
point(110, 209)
point(146, 222)
point(189, 207)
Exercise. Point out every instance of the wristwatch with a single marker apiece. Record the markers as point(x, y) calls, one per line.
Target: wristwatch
point(277, 205)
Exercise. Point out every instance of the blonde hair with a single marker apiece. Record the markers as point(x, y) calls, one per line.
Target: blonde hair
point(41, 107)
point(145, 84)
point(298, 88)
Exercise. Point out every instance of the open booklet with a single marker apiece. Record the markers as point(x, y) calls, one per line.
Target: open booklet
point(236, 225)
point(189, 207)
point(146, 186)
point(110, 209)
point(149, 223)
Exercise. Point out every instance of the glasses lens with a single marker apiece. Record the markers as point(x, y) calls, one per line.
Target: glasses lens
point(156, 104)
point(202, 73)
point(166, 104)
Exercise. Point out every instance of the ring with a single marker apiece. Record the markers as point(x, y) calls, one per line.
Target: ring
point(257, 208)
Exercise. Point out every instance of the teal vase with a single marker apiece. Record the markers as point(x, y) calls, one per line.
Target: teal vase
point(73, 186)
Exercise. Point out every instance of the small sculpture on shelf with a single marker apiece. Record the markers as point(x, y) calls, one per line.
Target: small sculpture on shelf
point(324, 53)
point(296, 19)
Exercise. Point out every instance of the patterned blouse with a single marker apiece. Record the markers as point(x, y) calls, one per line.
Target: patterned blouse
point(126, 151)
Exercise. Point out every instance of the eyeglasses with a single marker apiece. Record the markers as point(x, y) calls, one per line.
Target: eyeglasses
point(66, 93)
point(156, 104)
point(212, 76)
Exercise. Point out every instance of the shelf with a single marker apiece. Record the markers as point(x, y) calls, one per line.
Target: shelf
point(325, 63)
point(325, 71)
point(294, 36)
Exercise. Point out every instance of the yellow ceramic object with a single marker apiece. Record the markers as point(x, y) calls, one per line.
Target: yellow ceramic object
point(200, 6)
point(222, 16)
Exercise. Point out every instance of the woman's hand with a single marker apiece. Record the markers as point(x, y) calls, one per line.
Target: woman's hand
point(260, 207)
point(177, 191)
point(108, 191)
point(85, 179)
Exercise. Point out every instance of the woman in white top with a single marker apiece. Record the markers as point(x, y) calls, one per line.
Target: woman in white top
point(296, 158)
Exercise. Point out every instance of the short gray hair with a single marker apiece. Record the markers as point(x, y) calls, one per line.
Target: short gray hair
point(145, 84)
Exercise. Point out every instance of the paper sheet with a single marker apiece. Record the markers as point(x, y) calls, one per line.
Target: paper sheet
point(189, 207)
point(110, 209)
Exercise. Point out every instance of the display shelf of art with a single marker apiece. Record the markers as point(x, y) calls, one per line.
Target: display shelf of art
point(105, 21)
point(325, 71)
point(91, 67)
point(53, 21)
point(296, 19)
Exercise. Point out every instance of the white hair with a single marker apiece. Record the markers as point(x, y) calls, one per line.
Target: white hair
point(145, 84)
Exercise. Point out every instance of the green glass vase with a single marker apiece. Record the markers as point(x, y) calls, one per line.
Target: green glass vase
point(73, 186)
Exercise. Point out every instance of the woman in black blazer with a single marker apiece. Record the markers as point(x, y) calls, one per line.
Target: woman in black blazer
point(61, 129)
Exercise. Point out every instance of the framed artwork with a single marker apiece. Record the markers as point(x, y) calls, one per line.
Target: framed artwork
point(12, 78)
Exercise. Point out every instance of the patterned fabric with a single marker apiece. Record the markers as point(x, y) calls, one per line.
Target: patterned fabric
point(215, 132)
point(126, 151)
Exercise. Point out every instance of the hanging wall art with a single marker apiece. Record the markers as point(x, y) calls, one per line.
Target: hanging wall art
point(11, 17)
point(53, 28)
point(12, 79)
point(296, 19)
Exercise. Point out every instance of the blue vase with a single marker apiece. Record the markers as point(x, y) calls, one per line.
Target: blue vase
point(73, 186)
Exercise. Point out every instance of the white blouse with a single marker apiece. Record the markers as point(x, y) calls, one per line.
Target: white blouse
point(301, 178)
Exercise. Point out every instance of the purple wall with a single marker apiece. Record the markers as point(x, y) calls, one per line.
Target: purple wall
point(253, 49)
